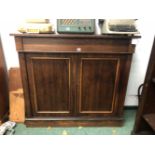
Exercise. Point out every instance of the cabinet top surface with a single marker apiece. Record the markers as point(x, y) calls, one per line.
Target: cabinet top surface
point(75, 36)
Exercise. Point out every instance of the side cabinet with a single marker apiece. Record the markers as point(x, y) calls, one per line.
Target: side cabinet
point(145, 118)
point(4, 91)
point(72, 80)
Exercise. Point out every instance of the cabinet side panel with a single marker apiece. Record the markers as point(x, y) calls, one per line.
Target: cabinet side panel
point(123, 83)
point(24, 75)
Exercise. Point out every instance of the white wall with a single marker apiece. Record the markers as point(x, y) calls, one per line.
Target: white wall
point(14, 12)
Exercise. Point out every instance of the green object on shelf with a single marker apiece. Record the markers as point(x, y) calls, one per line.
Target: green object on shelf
point(76, 26)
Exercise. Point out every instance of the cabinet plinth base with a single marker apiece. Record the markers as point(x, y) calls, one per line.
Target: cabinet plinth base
point(70, 122)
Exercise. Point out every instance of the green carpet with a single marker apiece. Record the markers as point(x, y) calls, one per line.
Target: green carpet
point(126, 129)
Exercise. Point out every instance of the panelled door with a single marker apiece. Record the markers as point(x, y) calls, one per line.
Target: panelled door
point(98, 85)
point(50, 84)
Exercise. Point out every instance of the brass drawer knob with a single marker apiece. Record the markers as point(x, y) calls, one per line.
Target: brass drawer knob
point(78, 49)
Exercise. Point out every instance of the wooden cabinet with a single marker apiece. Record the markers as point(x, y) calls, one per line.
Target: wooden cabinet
point(145, 119)
point(4, 93)
point(74, 79)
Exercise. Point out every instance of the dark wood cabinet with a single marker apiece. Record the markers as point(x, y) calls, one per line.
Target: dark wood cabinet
point(74, 79)
point(4, 93)
point(145, 119)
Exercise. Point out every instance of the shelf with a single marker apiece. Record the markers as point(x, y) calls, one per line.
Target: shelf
point(150, 119)
point(101, 36)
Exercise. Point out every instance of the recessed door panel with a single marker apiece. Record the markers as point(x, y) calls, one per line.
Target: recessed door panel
point(50, 88)
point(98, 85)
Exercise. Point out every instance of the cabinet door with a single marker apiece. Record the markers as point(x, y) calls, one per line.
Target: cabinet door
point(99, 78)
point(50, 84)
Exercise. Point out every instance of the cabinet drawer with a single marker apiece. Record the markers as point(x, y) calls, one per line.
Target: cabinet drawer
point(69, 45)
